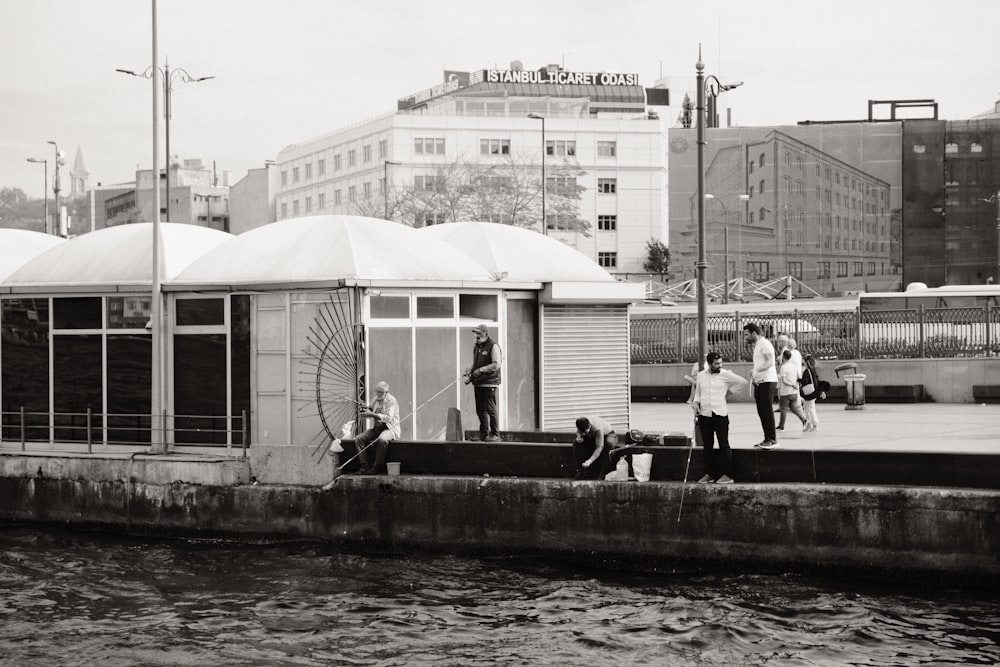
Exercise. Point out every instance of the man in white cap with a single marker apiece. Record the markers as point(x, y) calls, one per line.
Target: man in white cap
point(485, 378)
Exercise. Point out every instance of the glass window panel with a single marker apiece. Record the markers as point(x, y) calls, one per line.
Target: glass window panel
point(239, 349)
point(129, 312)
point(129, 388)
point(430, 307)
point(200, 312)
point(390, 307)
point(77, 369)
point(477, 307)
point(77, 313)
point(435, 370)
point(24, 373)
point(520, 359)
point(200, 388)
point(393, 364)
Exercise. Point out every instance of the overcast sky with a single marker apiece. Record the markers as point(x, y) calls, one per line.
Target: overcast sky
point(289, 70)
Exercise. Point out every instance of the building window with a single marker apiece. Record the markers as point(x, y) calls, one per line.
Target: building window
point(607, 149)
point(762, 213)
point(352, 194)
point(295, 207)
point(295, 174)
point(336, 162)
point(284, 209)
point(750, 221)
point(560, 148)
point(309, 171)
point(824, 270)
point(751, 167)
point(795, 270)
point(321, 201)
point(309, 204)
point(760, 160)
point(798, 163)
point(284, 177)
point(788, 159)
point(609, 260)
point(559, 221)
point(428, 182)
point(760, 188)
point(383, 149)
point(428, 146)
point(494, 146)
point(758, 270)
point(367, 153)
point(788, 184)
point(352, 158)
point(336, 197)
point(857, 268)
point(367, 190)
point(841, 269)
point(429, 219)
point(607, 223)
point(607, 186)
point(321, 167)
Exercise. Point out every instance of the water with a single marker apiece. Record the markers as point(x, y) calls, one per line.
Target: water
point(71, 598)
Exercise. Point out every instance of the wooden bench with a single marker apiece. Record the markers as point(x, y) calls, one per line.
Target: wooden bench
point(986, 393)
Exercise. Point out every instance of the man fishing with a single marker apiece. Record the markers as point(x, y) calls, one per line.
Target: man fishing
point(385, 412)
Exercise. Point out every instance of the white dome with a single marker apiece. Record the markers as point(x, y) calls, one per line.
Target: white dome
point(327, 248)
point(19, 246)
point(116, 257)
point(523, 254)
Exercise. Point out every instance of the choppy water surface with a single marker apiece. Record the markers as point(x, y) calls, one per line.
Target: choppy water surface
point(84, 599)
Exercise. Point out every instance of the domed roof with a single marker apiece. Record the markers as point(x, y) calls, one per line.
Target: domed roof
point(522, 254)
point(115, 257)
point(19, 246)
point(327, 248)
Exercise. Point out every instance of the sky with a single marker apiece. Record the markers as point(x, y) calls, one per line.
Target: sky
point(286, 71)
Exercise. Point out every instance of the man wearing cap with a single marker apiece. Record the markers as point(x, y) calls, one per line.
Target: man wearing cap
point(485, 378)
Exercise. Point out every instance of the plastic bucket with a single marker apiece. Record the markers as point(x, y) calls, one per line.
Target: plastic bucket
point(393, 469)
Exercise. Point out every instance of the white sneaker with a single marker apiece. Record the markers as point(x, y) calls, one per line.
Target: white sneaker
point(768, 444)
point(706, 480)
point(725, 479)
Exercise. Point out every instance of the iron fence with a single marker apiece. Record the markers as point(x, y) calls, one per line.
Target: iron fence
point(79, 430)
point(919, 333)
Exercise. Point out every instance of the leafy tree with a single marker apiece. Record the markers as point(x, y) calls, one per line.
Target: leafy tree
point(657, 257)
point(18, 211)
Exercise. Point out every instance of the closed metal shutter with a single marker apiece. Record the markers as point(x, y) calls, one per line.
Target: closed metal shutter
point(585, 365)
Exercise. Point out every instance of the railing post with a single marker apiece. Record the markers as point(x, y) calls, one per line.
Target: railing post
point(24, 430)
point(90, 438)
point(246, 432)
point(857, 333)
point(795, 323)
point(989, 333)
point(680, 337)
point(920, 331)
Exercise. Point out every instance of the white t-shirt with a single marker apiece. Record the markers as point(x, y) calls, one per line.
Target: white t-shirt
point(760, 352)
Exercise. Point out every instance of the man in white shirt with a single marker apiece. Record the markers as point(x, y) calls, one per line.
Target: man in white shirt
point(710, 390)
point(765, 380)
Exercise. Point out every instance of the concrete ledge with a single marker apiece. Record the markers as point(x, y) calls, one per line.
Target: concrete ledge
point(881, 393)
point(873, 528)
point(150, 469)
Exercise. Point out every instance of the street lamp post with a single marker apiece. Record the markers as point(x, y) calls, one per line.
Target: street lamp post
point(701, 264)
point(45, 190)
point(385, 183)
point(168, 88)
point(725, 246)
point(542, 118)
point(56, 229)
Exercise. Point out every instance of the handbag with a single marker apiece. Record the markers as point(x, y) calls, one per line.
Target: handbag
point(808, 389)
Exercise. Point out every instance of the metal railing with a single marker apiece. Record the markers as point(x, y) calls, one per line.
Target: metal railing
point(902, 334)
point(85, 430)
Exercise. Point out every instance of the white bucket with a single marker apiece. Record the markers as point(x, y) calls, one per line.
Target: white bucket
point(641, 464)
point(393, 469)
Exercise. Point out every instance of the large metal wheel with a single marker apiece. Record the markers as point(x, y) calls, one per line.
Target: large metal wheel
point(335, 344)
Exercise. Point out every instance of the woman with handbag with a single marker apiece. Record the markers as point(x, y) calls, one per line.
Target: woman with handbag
point(812, 388)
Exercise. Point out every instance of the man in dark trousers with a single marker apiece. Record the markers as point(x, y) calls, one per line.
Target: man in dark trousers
point(485, 378)
point(711, 388)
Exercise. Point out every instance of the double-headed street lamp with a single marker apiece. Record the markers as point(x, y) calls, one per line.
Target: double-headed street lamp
point(544, 148)
point(168, 88)
point(701, 264)
point(385, 183)
point(45, 190)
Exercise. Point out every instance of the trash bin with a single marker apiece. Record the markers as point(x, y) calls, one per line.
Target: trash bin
point(855, 391)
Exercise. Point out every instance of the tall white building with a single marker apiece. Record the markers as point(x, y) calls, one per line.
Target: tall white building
point(604, 125)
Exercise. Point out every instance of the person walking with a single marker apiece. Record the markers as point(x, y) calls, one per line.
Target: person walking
point(764, 379)
point(484, 374)
point(711, 388)
point(812, 388)
point(595, 438)
point(788, 392)
point(384, 410)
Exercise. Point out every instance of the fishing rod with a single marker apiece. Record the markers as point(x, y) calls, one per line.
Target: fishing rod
point(413, 412)
point(680, 507)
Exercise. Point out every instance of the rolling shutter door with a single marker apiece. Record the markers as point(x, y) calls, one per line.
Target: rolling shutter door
point(585, 365)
